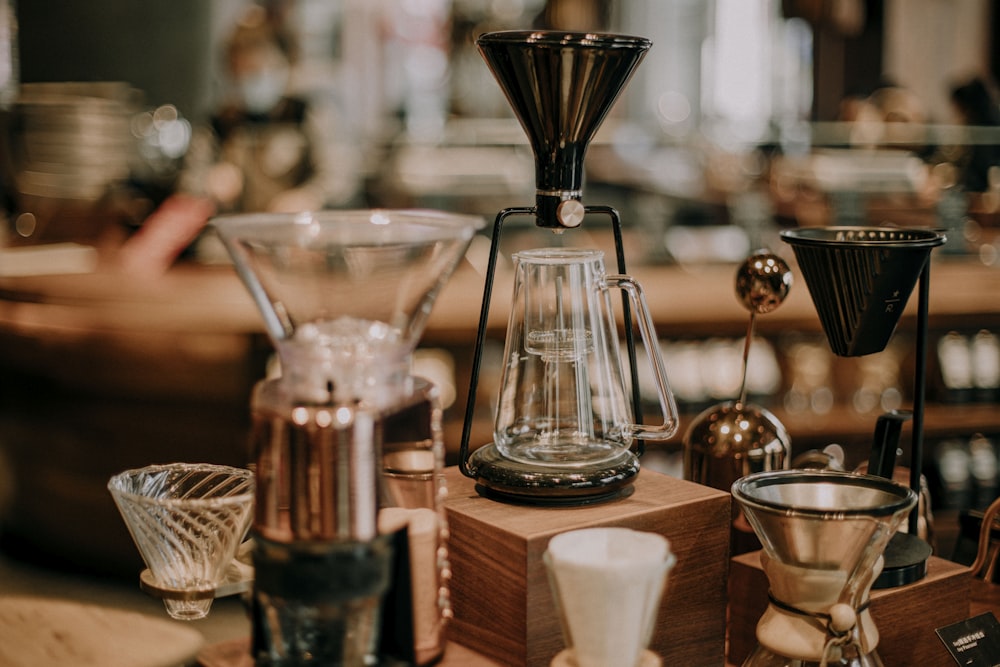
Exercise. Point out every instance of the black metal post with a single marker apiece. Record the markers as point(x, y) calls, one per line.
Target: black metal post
point(484, 312)
point(919, 391)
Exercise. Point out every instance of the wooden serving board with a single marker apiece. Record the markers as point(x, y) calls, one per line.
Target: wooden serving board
point(44, 632)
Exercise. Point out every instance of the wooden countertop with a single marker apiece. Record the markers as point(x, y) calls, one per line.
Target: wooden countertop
point(684, 301)
point(225, 629)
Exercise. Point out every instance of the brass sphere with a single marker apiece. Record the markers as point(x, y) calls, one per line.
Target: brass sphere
point(763, 281)
point(730, 440)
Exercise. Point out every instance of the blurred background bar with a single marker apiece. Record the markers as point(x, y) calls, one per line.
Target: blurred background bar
point(126, 339)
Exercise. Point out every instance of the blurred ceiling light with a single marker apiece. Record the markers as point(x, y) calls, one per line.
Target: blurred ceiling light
point(673, 107)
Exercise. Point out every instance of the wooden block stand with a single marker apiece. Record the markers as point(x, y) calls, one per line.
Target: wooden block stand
point(906, 617)
point(500, 591)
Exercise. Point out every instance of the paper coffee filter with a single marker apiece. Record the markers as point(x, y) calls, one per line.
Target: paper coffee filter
point(609, 547)
point(608, 583)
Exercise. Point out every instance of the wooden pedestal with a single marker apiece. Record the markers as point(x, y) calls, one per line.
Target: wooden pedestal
point(906, 617)
point(500, 592)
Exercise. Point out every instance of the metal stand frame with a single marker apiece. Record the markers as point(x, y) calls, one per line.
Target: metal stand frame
point(470, 406)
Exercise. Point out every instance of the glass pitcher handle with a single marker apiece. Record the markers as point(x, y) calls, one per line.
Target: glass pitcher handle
point(648, 332)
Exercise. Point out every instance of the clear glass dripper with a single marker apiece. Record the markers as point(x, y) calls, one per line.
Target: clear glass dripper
point(339, 290)
point(187, 520)
point(345, 296)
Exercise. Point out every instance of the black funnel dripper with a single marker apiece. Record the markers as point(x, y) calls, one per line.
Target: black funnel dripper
point(860, 279)
point(561, 86)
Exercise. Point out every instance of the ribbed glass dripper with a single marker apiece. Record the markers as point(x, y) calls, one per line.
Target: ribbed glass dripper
point(187, 520)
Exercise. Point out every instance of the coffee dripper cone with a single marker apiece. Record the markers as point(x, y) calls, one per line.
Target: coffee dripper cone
point(561, 87)
point(187, 520)
point(607, 583)
point(345, 295)
point(345, 432)
point(823, 535)
point(860, 279)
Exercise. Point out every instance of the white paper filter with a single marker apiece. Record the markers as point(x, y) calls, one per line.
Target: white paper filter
point(608, 583)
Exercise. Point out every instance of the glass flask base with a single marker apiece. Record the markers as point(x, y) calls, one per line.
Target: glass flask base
point(561, 450)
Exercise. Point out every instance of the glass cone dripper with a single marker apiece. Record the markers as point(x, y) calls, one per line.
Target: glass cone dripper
point(188, 521)
point(343, 291)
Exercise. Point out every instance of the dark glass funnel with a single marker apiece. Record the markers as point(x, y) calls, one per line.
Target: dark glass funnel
point(561, 86)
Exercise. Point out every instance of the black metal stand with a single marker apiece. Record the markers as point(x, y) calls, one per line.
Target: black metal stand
point(919, 389)
point(470, 406)
point(905, 558)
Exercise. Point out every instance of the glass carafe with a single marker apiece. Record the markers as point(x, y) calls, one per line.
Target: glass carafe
point(823, 535)
point(349, 532)
point(563, 397)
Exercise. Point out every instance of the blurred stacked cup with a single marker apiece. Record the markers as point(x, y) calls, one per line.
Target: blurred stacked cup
point(70, 148)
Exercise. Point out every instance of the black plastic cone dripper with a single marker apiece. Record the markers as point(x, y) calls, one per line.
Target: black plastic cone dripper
point(860, 279)
point(561, 86)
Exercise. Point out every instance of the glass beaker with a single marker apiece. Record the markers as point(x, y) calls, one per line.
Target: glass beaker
point(563, 398)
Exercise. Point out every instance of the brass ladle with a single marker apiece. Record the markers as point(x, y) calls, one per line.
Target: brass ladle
point(762, 284)
point(734, 438)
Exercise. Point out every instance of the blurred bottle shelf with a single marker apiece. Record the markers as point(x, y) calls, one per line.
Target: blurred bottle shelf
point(688, 303)
point(103, 371)
point(841, 425)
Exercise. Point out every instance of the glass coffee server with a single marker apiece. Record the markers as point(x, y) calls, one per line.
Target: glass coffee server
point(567, 430)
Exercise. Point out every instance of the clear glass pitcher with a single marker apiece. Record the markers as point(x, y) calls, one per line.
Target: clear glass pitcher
point(563, 398)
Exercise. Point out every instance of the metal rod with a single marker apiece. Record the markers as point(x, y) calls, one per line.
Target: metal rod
point(484, 312)
point(616, 225)
point(742, 400)
point(919, 389)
